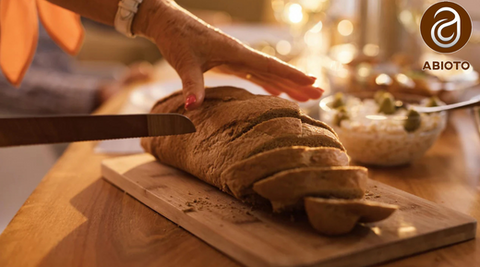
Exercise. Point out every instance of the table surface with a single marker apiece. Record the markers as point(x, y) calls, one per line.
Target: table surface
point(75, 218)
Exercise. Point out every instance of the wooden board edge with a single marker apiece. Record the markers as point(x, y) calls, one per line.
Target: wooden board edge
point(422, 200)
point(415, 245)
point(177, 217)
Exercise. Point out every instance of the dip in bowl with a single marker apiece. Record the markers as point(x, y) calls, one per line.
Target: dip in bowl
point(381, 128)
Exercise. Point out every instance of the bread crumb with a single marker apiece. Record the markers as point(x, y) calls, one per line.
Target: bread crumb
point(377, 196)
point(188, 210)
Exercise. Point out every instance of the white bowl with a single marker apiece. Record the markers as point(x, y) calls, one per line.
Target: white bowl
point(381, 140)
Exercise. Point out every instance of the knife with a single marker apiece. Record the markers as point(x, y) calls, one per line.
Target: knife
point(61, 129)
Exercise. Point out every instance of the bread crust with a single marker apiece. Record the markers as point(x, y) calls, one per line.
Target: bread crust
point(287, 188)
point(242, 175)
point(339, 216)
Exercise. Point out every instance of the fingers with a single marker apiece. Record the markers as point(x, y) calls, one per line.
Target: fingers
point(264, 63)
point(270, 84)
point(267, 87)
point(273, 87)
point(274, 84)
point(193, 86)
point(311, 91)
point(271, 90)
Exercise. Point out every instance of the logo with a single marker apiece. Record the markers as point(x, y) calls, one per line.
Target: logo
point(446, 27)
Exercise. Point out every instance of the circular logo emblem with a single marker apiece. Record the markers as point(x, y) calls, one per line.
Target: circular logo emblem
point(446, 27)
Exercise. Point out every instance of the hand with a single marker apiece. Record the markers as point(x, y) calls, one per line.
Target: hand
point(193, 47)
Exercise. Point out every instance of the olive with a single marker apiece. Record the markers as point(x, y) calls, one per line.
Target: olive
point(378, 96)
point(341, 115)
point(413, 120)
point(433, 102)
point(338, 100)
point(387, 104)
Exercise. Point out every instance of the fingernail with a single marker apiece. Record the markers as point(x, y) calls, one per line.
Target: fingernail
point(312, 77)
point(189, 101)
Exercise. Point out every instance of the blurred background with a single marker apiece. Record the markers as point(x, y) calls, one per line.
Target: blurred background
point(350, 45)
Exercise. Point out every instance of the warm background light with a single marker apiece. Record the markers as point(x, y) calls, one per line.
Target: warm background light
point(345, 27)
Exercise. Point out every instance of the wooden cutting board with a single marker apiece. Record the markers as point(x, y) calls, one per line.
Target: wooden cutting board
point(259, 238)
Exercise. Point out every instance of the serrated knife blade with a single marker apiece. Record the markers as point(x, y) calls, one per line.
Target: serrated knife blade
point(62, 129)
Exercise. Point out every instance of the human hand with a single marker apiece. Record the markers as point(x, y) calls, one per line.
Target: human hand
point(193, 47)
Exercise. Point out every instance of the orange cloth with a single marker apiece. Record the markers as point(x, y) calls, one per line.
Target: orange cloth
point(19, 33)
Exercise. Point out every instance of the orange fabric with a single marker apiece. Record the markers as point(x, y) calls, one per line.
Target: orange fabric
point(19, 33)
point(63, 26)
point(19, 36)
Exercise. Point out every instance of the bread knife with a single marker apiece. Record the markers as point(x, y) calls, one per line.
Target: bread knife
point(60, 129)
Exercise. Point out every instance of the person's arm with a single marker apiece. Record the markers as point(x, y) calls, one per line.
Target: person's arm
point(193, 47)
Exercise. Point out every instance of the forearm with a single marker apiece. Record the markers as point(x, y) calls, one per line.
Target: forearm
point(104, 11)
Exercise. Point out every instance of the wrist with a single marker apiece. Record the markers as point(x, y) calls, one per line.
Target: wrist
point(144, 22)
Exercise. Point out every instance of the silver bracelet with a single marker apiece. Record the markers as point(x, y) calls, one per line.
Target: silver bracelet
point(124, 18)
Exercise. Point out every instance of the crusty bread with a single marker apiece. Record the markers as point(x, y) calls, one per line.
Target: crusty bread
point(286, 189)
point(339, 216)
point(309, 136)
point(232, 125)
point(260, 149)
point(241, 175)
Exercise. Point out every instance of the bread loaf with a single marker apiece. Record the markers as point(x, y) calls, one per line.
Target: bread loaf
point(261, 147)
point(233, 124)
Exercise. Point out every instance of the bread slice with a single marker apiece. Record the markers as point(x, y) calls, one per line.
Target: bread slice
point(286, 189)
point(339, 216)
point(240, 176)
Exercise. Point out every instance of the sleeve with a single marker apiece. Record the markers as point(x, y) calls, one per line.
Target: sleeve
point(46, 91)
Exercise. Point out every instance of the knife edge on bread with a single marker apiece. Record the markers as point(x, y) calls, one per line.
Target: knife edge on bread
point(264, 147)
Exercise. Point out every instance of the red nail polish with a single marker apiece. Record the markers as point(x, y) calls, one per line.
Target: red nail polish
point(190, 100)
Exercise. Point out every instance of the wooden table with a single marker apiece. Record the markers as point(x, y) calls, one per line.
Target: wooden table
point(75, 218)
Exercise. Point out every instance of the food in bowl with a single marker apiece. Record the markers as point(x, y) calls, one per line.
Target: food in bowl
point(383, 129)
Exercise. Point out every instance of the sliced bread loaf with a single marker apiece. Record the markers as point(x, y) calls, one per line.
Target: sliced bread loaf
point(231, 125)
point(264, 148)
point(286, 189)
point(339, 216)
point(240, 176)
